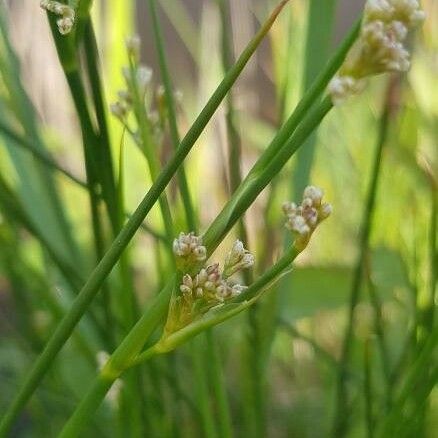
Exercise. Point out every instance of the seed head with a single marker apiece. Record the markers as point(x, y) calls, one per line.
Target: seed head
point(119, 109)
point(380, 47)
point(237, 259)
point(67, 14)
point(143, 77)
point(189, 250)
point(132, 44)
point(302, 220)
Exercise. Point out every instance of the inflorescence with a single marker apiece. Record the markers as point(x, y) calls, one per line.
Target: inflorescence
point(67, 15)
point(380, 47)
point(211, 286)
point(303, 219)
point(138, 79)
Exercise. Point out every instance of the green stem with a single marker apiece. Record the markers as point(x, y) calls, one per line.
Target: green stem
point(43, 156)
point(341, 416)
point(321, 352)
point(318, 46)
point(91, 164)
point(310, 97)
point(380, 331)
point(170, 105)
point(191, 217)
point(48, 160)
point(414, 377)
point(367, 386)
point(202, 390)
point(219, 388)
point(147, 147)
point(259, 177)
point(105, 167)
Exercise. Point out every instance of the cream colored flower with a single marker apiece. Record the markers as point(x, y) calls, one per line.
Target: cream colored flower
point(302, 220)
point(380, 47)
point(237, 259)
point(66, 22)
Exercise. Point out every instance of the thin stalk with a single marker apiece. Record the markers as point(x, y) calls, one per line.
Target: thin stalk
point(202, 392)
point(318, 45)
point(433, 255)
point(235, 178)
point(340, 424)
point(259, 177)
point(97, 154)
point(88, 138)
point(132, 422)
point(321, 352)
point(367, 388)
point(380, 331)
point(15, 213)
point(105, 167)
point(417, 371)
point(42, 156)
point(103, 153)
point(47, 159)
point(171, 113)
point(215, 372)
point(102, 270)
point(310, 96)
point(92, 149)
point(147, 147)
point(19, 269)
point(192, 220)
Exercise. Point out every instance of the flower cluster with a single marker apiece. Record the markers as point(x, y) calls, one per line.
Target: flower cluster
point(210, 287)
point(188, 250)
point(67, 15)
point(303, 219)
point(380, 47)
point(237, 259)
point(139, 91)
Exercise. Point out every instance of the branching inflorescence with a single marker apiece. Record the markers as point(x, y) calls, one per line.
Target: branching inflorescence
point(67, 15)
point(210, 287)
point(380, 47)
point(138, 79)
point(303, 219)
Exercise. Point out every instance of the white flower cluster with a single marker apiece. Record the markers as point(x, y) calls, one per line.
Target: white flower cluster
point(208, 288)
point(132, 45)
point(303, 219)
point(140, 78)
point(67, 15)
point(380, 47)
point(237, 259)
point(188, 249)
point(210, 285)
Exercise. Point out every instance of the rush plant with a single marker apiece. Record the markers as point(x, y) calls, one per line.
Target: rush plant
point(136, 338)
